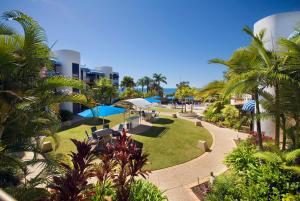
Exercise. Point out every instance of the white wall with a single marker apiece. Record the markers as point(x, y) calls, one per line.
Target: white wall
point(66, 58)
point(107, 70)
point(276, 26)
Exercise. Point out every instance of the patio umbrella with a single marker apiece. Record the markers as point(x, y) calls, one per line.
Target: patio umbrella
point(156, 97)
point(249, 106)
point(102, 111)
point(152, 100)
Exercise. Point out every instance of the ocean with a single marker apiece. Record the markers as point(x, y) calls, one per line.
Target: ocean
point(169, 91)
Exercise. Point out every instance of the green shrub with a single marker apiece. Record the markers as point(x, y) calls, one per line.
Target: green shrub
point(225, 187)
point(101, 192)
point(231, 115)
point(143, 190)
point(65, 115)
point(212, 113)
point(242, 157)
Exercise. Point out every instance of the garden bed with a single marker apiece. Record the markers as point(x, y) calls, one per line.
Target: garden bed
point(201, 190)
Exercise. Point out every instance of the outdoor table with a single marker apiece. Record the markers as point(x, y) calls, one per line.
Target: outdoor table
point(103, 132)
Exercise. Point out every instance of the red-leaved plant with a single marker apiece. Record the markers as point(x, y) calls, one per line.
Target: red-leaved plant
point(72, 183)
point(120, 163)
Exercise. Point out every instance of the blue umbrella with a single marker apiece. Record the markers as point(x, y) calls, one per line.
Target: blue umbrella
point(152, 100)
point(102, 111)
point(249, 106)
point(156, 97)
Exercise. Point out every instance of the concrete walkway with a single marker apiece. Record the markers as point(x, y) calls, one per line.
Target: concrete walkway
point(176, 181)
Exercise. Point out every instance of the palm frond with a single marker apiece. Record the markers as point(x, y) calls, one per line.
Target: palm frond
point(292, 156)
point(268, 157)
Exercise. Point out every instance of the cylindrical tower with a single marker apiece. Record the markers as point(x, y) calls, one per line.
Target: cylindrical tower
point(276, 26)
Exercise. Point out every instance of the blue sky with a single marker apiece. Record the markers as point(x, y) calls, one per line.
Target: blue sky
point(142, 37)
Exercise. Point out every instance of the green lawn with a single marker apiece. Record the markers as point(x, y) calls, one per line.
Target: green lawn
point(65, 145)
point(172, 141)
point(162, 109)
point(169, 142)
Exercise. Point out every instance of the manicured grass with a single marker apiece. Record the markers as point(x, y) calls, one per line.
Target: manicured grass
point(169, 142)
point(65, 145)
point(163, 109)
point(172, 141)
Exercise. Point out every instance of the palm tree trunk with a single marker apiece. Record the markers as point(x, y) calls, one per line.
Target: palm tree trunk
point(284, 131)
point(258, 125)
point(181, 105)
point(277, 115)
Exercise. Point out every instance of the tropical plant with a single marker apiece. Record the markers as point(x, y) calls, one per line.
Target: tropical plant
point(127, 82)
point(158, 78)
point(29, 105)
point(143, 190)
point(259, 175)
point(130, 93)
point(231, 115)
point(141, 82)
point(244, 77)
point(225, 187)
point(104, 91)
point(156, 85)
point(148, 82)
point(286, 160)
point(73, 183)
point(182, 93)
point(212, 91)
point(242, 157)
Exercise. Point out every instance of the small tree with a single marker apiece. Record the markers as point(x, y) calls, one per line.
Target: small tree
point(182, 93)
point(104, 91)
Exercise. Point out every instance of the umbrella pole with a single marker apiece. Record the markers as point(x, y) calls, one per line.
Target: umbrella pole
point(102, 122)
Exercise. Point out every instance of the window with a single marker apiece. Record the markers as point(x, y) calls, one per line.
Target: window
point(75, 70)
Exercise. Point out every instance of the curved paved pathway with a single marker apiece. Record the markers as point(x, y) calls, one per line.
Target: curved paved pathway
point(176, 181)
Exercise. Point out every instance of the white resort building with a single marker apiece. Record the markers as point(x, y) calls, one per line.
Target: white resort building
point(68, 63)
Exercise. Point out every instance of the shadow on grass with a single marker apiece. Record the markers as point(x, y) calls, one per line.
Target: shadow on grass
point(154, 131)
point(86, 121)
point(163, 121)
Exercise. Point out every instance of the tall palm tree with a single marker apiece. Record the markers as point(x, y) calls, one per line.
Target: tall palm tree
point(141, 82)
point(28, 101)
point(291, 94)
point(127, 82)
point(148, 82)
point(158, 78)
point(243, 77)
point(213, 90)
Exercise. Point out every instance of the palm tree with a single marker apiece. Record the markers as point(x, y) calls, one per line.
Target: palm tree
point(127, 82)
point(291, 93)
point(243, 77)
point(277, 69)
point(159, 78)
point(148, 82)
point(213, 90)
point(141, 82)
